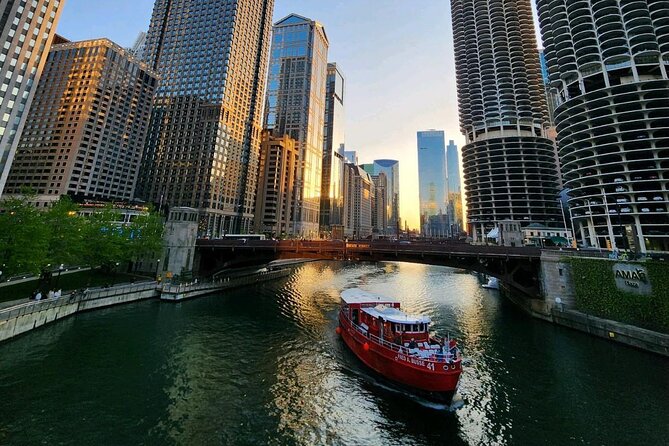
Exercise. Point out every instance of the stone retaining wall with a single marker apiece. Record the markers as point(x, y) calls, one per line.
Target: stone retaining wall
point(29, 315)
point(614, 331)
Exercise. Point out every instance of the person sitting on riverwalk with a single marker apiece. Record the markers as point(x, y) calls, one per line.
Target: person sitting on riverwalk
point(38, 296)
point(50, 294)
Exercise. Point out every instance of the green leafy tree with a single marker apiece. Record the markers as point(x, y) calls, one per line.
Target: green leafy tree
point(145, 235)
point(105, 239)
point(67, 230)
point(24, 238)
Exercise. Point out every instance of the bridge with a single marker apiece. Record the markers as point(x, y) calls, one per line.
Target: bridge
point(518, 268)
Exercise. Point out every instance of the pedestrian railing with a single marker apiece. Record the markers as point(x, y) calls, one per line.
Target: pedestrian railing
point(73, 297)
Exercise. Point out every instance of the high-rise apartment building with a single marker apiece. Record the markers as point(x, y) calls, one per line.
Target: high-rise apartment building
point(359, 190)
point(85, 131)
point(508, 163)
point(432, 179)
point(276, 185)
point(391, 169)
point(332, 183)
point(454, 192)
point(295, 106)
point(27, 30)
point(609, 66)
point(204, 137)
point(380, 204)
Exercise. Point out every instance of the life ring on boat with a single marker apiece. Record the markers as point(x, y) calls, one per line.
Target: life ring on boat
point(453, 367)
point(445, 366)
point(338, 330)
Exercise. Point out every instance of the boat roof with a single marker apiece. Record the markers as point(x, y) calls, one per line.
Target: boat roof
point(395, 315)
point(358, 296)
point(382, 307)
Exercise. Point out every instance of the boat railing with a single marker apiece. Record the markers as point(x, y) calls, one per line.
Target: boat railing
point(391, 345)
point(400, 348)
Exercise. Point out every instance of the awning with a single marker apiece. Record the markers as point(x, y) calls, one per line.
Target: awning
point(559, 240)
point(493, 234)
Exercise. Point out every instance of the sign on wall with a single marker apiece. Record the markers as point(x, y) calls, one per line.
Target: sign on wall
point(632, 278)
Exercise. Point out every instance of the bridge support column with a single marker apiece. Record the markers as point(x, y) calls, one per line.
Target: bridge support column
point(556, 281)
point(179, 241)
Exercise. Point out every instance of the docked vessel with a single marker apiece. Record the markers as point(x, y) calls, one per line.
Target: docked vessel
point(493, 284)
point(399, 346)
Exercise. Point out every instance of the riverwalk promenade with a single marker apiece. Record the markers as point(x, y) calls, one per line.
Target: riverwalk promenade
point(20, 316)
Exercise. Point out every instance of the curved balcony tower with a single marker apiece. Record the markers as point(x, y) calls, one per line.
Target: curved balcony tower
point(508, 162)
point(608, 64)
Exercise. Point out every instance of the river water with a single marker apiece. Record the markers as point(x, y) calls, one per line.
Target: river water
point(263, 365)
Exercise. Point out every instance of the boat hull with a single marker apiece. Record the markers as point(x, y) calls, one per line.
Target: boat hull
point(431, 378)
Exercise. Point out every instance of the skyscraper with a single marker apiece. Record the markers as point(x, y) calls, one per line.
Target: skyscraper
point(508, 162)
point(99, 146)
point(391, 169)
point(204, 137)
point(139, 47)
point(295, 106)
point(359, 189)
point(453, 167)
point(27, 31)
point(332, 184)
point(432, 180)
point(454, 194)
point(379, 204)
point(276, 185)
point(608, 65)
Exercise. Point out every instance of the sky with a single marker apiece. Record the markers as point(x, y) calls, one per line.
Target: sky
point(397, 58)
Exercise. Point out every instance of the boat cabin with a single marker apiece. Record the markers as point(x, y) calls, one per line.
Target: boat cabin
point(383, 318)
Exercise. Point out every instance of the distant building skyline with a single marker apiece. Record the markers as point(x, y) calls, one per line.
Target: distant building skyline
point(372, 123)
point(391, 169)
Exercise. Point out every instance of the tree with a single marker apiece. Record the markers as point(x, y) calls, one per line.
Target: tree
point(105, 239)
point(24, 238)
point(146, 235)
point(67, 229)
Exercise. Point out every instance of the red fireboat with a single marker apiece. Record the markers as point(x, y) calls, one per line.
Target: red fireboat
point(398, 346)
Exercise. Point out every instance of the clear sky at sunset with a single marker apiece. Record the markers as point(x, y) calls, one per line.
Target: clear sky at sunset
point(397, 56)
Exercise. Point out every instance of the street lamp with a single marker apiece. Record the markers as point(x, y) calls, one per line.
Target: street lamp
point(157, 268)
point(114, 275)
point(60, 270)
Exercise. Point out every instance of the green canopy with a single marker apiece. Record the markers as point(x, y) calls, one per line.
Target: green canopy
point(559, 240)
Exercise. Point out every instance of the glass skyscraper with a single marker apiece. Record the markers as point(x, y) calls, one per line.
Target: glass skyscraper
point(296, 107)
point(432, 179)
point(332, 184)
point(27, 29)
point(204, 137)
